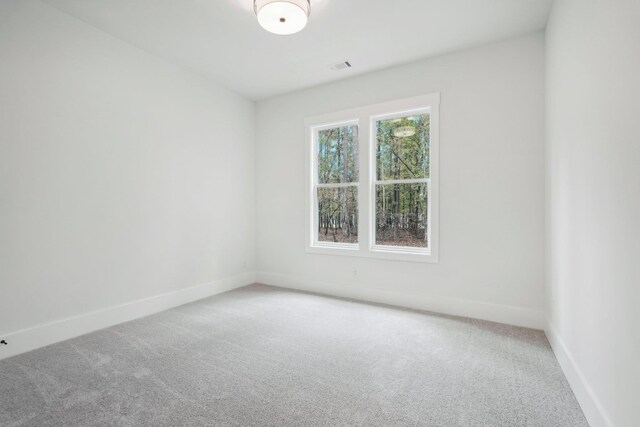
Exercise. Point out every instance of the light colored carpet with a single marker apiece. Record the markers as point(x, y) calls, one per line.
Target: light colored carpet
point(264, 356)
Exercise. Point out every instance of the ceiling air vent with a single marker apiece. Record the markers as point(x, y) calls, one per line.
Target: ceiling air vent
point(340, 65)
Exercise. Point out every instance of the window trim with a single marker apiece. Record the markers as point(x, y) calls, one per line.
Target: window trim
point(365, 117)
point(373, 146)
point(315, 185)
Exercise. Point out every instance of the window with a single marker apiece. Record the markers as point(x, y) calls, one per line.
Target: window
point(373, 175)
point(336, 187)
point(402, 179)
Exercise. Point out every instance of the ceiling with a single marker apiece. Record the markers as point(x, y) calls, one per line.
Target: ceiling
point(221, 39)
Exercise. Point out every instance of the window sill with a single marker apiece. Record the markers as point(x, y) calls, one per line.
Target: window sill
point(390, 253)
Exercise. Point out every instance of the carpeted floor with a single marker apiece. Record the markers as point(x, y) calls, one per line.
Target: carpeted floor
point(264, 356)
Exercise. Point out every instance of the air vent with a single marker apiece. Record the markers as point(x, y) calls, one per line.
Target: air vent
point(340, 65)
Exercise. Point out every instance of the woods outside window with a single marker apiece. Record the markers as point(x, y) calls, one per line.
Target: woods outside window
point(373, 181)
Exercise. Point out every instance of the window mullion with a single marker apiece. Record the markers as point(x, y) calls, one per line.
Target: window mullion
point(365, 183)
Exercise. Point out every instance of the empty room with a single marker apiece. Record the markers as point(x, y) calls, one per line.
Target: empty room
point(320, 213)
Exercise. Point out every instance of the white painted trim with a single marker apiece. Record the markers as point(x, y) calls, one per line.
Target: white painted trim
point(593, 410)
point(517, 316)
point(63, 329)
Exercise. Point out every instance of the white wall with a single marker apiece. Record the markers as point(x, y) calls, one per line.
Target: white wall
point(121, 176)
point(492, 185)
point(593, 175)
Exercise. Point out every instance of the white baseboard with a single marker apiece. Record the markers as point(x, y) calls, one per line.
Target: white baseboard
point(590, 404)
point(517, 316)
point(60, 330)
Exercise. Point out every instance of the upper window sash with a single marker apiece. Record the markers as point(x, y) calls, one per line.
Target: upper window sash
point(315, 130)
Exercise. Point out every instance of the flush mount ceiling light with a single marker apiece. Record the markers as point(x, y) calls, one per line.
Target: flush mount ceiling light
point(282, 16)
point(404, 131)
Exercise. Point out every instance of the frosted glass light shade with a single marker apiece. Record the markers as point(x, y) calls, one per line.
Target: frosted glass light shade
point(282, 16)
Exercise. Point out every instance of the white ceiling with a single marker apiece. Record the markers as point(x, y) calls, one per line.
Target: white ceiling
point(222, 40)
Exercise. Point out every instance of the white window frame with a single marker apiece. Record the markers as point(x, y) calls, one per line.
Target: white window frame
point(315, 185)
point(366, 117)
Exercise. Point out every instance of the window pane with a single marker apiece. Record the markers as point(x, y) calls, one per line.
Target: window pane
point(401, 215)
point(402, 151)
point(338, 155)
point(338, 215)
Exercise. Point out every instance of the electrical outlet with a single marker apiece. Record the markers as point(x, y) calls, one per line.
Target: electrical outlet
point(355, 274)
